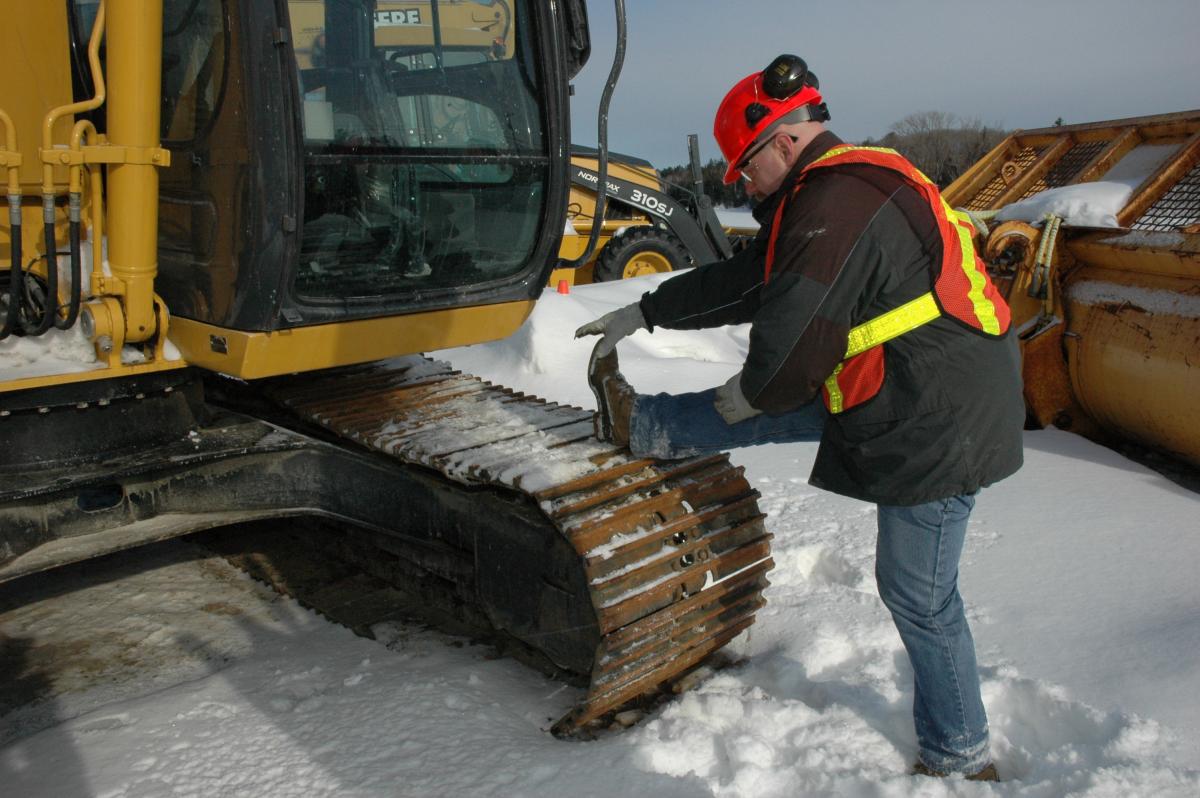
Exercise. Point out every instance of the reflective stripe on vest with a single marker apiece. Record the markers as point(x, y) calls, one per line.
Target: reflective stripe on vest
point(962, 289)
point(893, 324)
point(878, 330)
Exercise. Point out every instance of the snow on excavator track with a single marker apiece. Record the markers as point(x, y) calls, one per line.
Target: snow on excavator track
point(670, 557)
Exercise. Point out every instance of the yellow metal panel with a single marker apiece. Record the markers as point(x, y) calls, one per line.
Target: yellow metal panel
point(1157, 184)
point(1132, 351)
point(251, 355)
point(573, 246)
point(580, 276)
point(643, 176)
point(1168, 254)
point(36, 78)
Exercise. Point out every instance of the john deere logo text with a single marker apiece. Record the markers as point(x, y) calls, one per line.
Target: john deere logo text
point(399, 16)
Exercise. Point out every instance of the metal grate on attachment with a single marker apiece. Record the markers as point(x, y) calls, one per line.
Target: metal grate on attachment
point(1178, 208)
point(1068, 167)
point(992, 191)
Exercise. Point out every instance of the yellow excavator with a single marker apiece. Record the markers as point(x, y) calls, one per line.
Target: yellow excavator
point(1107, 307)
point(232, 227)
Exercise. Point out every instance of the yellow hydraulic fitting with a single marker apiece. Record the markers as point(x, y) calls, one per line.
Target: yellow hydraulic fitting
point(103, 323)
point(10, 156)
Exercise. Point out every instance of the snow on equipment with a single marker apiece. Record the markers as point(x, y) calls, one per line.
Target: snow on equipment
point(1093, 233)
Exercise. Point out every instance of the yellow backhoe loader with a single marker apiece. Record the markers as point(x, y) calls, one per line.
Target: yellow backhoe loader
point(644, 229)
point(1108, 309)
point(253, 215)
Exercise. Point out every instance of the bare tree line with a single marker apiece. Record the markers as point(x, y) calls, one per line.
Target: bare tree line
point(679, 184)
point(940, 144)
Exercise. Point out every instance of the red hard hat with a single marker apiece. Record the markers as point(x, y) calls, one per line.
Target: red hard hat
point(758, 102)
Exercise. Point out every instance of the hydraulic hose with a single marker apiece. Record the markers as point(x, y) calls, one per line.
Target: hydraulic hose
point(76, 268)
point(16, 275)
point(1039, 285)
point(602, 140)
point(50, 303)
point(12, 160)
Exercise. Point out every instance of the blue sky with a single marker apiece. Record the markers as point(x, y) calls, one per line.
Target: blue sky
point(1017, 64)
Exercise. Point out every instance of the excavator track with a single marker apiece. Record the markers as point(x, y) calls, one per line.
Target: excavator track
point(667, 559)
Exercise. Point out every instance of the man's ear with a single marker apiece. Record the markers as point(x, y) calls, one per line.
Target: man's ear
point(786, 147)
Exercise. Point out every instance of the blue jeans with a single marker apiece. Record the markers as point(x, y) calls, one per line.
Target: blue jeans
point(670, 426)
point(916, 568)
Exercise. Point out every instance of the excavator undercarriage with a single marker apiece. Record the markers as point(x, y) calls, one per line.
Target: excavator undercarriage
point(492, 508)
point(623, 571)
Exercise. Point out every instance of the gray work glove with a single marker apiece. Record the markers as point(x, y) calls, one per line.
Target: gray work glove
point(614, 326)
point(731, 402)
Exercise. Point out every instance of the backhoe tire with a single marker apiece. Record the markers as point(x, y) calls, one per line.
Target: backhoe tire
point(637, 251)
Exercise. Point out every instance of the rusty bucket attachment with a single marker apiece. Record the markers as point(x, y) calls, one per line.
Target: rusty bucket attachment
point(1108, 318)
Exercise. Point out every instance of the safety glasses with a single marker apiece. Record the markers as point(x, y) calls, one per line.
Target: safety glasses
point(745, 162)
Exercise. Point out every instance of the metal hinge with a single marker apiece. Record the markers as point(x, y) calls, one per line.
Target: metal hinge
point(279, 36)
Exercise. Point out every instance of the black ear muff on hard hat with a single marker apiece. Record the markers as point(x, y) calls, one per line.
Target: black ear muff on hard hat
point(786, 75)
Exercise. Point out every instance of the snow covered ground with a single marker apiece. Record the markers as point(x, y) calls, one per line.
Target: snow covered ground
point(1079, 575)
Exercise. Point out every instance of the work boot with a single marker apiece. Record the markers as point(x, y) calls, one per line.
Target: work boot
point(988, 773)
point(614, 398)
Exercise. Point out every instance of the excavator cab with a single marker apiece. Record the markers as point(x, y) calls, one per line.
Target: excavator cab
point(340, 160)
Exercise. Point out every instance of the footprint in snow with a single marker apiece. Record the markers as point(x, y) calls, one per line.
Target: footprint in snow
point(1040, 733)
point(822, 564)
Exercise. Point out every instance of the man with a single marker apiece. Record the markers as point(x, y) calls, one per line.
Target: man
point(874, 329)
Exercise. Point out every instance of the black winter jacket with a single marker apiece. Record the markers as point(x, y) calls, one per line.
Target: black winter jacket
point(855, 242)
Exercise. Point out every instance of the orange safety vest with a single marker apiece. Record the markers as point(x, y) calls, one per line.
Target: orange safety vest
point(961, 291)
